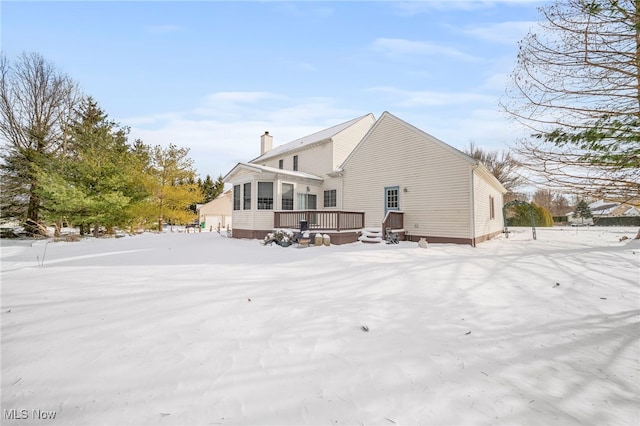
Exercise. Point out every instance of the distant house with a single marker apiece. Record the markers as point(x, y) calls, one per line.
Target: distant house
point(217, 212)
point(603, 208)
point(355, 179)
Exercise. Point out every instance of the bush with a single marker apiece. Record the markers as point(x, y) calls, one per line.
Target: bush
point(520, 215)
point(543, 217)
point(618, 221)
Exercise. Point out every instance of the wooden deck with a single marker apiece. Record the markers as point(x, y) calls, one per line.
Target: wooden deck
point(321, 220)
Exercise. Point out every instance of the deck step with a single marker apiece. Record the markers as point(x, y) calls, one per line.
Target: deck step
point(371, 236)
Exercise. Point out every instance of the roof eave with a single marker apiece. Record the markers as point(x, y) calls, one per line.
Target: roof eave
point(267, 155)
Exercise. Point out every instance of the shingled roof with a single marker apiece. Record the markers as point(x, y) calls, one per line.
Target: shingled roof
point(306, 141)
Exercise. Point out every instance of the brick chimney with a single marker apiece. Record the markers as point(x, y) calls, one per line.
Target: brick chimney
point(266, 143)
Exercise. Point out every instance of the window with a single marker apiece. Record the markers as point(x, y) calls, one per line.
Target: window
point(295, 163)
point(247, 196)
point(330, 198)
point(492, 209)
point(287, 196)
point(236, 197)
point(265, 195)
point(281, 164)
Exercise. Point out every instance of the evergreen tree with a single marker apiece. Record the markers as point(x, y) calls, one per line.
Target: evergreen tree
point(93, 183)
point(583, 211)
point(218, 187)
point(35, 105)
point(207, 189)
point(210, 189)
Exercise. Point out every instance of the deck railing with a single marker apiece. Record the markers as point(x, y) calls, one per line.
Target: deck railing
point(393, 220)
point(334, 220)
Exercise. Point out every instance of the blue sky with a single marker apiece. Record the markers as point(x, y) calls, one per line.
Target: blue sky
point(213, 76)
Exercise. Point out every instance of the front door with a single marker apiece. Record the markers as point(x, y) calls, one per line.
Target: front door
point(391, 198)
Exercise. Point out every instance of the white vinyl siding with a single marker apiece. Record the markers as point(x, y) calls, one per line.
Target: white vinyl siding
point(484, 192)
point(434, 181)
point(345, 141)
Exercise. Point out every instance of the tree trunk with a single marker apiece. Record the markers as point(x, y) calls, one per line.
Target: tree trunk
point(33, 212)
point(638, 235)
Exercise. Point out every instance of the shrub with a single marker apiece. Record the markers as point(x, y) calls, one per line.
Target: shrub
point(520, 215)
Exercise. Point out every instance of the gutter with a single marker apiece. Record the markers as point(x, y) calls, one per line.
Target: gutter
point(473, 205)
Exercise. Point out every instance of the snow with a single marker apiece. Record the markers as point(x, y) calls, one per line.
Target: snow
point(195, 329)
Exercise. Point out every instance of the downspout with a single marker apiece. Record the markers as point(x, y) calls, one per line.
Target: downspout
point(342, 191)
point(473, 206)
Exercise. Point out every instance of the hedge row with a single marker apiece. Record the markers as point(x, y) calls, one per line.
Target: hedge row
point(617, 221)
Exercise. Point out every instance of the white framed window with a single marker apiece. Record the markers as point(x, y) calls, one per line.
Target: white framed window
point(330, 199)
point(265, 195)
point(246, 196)
point(236, 197)
point(287, 196)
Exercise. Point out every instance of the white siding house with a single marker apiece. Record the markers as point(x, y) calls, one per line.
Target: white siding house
point(288, 183)
point(360, 173)
point(444, 195)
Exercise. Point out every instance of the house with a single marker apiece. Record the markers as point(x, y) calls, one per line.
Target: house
point(603, 208)
point(609, 213)
point(365, 175)
point(216, 213)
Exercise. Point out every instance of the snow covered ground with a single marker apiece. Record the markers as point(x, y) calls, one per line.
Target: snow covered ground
point(196, 329)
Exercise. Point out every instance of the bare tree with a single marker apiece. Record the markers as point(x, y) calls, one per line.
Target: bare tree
point(555, 202)
point(576, 87)
point(36, 102)
point(502, 164)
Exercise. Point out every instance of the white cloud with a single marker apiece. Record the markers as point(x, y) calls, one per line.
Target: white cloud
point(397, 46)
point(225, 127)
point(417, 98)
point(495, 83)
point(219, 136)
point(502, 32)
point(244, 97)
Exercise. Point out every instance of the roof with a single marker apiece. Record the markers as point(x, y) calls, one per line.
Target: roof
point(472, 161)
point(306, 141)
point(260, 169)
point(224, 194)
